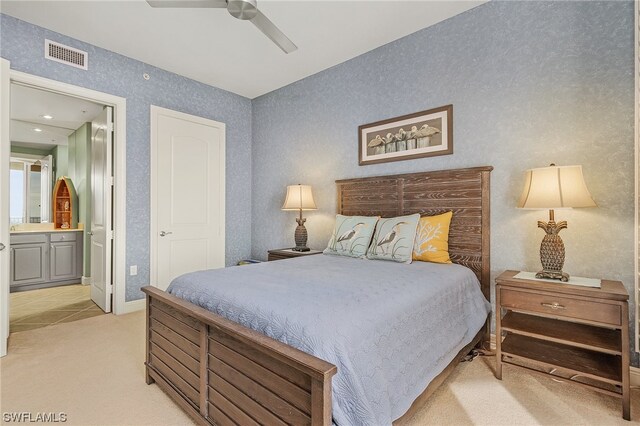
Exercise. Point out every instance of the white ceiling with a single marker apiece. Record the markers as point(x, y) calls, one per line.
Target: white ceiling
point(210, 46)
point(29, 105)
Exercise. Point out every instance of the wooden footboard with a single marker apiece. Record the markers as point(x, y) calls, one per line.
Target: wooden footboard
point(220, 372)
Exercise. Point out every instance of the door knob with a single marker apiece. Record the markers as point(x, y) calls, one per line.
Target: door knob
point(163, 233)
point(2, 246)
point(90, 233)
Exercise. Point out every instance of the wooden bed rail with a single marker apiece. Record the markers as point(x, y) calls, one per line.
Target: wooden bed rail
point(221, 372)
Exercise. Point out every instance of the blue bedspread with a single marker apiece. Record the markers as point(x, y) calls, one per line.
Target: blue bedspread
point(390, 328)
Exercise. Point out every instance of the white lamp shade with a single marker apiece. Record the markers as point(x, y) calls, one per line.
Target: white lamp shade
point(555, 187)
point(299, 197)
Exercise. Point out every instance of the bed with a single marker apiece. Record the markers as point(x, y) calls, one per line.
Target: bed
point(238, 355)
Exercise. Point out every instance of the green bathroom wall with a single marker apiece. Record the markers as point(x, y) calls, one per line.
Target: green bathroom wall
point(30, 151)
point(61, 162)
point(79, 166)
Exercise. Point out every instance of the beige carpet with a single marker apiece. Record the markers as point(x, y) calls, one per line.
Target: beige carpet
point(92, 370)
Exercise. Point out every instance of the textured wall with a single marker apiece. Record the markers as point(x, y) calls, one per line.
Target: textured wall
point(531, 83)
point(23, 45)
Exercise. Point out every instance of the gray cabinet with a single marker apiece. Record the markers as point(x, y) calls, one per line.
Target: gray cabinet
point(28, 263)
point(62, 261)
point(45, 259)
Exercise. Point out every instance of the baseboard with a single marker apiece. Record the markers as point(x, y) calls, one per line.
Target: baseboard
point(634, 372)
point(85, 280)
point(134, 305)
point(634, 376)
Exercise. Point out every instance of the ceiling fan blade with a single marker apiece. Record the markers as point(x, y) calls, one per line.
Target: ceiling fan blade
point(188, 3)
point(270, 30)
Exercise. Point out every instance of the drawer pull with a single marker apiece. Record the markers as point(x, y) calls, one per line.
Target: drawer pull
point(554, 305)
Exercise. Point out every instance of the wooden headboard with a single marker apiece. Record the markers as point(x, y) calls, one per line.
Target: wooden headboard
point(463, 191)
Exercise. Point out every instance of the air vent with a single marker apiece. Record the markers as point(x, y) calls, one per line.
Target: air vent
point(65, 54)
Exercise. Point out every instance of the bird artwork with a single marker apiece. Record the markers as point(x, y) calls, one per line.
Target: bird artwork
point(349, 234)
point(390, 143)
point(411, 138)
point(424, 135)
point(377, 144)
point(401, 140)
point(427, 130)
point(390, 237)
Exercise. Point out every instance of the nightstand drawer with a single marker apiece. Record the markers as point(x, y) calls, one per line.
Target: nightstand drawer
point(276, 257)
point(287, 253)
point(552, 304)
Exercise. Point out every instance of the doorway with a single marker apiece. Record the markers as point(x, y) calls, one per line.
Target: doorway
point(112, 184)
point(60, 159)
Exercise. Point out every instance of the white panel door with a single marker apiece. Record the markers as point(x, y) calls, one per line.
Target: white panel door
point(101, 221)
point(188, 189)
point(4, 204)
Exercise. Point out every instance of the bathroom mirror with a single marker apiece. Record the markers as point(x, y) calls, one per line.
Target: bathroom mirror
point(30, 190)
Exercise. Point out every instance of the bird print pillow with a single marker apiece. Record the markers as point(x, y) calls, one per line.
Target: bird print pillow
point(394, 238)
point(351, 235)
point(432, 239)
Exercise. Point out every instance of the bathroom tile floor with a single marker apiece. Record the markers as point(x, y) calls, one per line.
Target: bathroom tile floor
point(39, 308)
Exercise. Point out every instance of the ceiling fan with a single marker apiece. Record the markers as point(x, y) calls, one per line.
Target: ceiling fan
point(246, 10)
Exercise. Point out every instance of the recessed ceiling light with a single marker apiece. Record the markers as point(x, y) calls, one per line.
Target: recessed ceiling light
point(47, 117)
point(37, 129)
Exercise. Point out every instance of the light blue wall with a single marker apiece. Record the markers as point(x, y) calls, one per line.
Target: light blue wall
point(23, 45)
point(530, 82)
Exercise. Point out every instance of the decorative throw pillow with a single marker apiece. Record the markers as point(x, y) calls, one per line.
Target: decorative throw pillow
point(393, 239)
point(432, 239)
point(351, 235)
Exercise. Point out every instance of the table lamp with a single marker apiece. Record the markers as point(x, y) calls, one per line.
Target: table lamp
point(299, 197)
point(554, 187)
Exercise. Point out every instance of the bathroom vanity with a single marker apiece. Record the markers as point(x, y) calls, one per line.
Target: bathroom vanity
point(45, 258)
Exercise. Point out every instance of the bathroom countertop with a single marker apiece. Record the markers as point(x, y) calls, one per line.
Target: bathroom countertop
point(45, 231)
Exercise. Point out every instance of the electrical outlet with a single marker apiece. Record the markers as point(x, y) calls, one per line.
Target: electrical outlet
point(133, 270)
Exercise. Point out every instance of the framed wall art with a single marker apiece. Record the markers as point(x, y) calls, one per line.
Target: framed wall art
point(423, 134)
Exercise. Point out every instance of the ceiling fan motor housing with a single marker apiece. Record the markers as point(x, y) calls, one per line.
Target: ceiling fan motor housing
point(242, 9)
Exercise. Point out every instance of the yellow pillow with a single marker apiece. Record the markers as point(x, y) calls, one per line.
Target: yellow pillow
point(432, 239)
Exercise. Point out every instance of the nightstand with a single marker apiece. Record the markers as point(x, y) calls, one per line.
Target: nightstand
point(287, 253)
point(575, 334)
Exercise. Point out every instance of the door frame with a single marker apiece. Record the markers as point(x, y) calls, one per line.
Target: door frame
point(5, 235)
point(636, 240)
point(155, 112)
point(119, 106)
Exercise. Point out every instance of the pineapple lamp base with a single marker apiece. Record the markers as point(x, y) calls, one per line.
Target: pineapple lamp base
point(552, 250)
point(301, 235)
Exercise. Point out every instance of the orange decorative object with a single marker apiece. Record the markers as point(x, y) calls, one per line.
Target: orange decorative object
point(65, 204)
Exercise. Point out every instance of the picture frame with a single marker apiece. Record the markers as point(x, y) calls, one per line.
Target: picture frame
point(422, 134)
